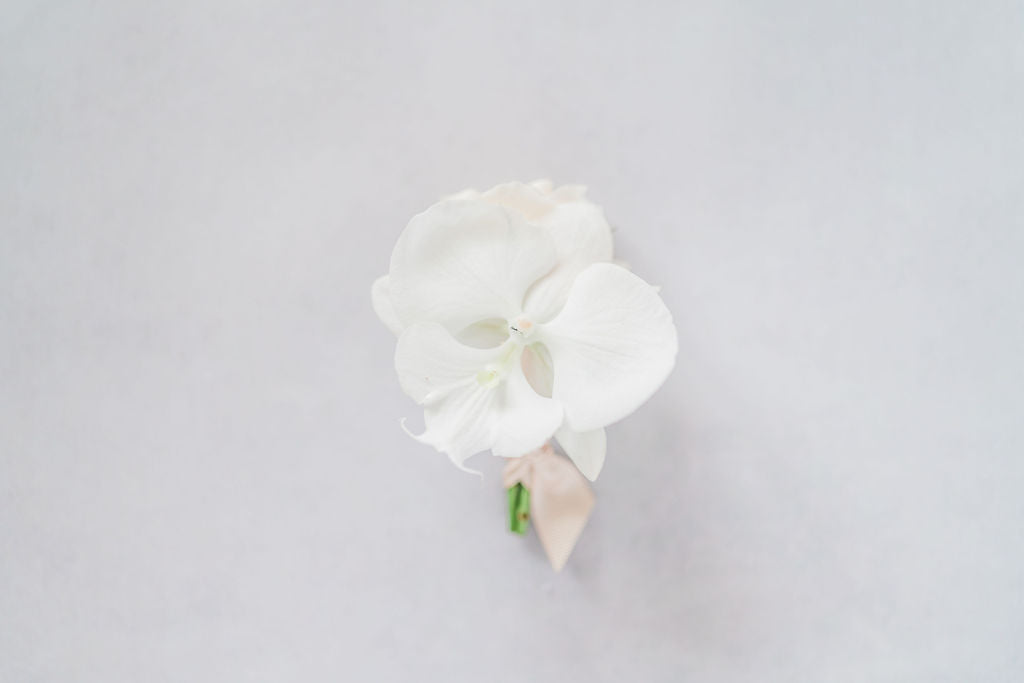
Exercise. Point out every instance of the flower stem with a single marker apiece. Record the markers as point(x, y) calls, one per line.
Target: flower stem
point(518, 509)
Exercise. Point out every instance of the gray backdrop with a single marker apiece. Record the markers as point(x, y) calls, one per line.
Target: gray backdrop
point(202, 476)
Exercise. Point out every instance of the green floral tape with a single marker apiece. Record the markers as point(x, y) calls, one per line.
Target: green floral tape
point(518, 509)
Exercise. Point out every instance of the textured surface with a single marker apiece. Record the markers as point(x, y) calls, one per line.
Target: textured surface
point(202, 476)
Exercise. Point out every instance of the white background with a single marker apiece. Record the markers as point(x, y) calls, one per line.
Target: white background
point(202, 476)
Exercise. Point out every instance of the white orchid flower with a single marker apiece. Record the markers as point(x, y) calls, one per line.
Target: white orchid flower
point(514, 327)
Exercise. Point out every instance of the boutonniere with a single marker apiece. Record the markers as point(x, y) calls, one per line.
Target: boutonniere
point(515, 327)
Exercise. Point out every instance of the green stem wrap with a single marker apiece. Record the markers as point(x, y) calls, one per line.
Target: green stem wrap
point(518, 509)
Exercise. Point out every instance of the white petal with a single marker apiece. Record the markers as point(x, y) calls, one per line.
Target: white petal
point(532, 199)
point(380, 294)
point(586, 449)
point(485, 334)
point(429, 360)
point(564, 193)
point(582, 236)
point(527, 199)
point(542, 185)
point(460, 262)
point(612, 346)
point(460, 423)
point(466, 194)
point(524, 420)
point(580, 231)
point(473, 399)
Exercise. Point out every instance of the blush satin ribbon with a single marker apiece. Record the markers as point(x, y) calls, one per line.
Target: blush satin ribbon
point(560, 499)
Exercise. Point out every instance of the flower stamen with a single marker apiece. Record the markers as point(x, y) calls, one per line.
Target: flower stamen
point(521, 329)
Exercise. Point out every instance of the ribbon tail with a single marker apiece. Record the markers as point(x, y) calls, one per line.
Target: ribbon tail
point(561, 505)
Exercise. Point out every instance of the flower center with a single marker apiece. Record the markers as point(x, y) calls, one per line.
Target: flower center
point(521, 329)
point(490, 375)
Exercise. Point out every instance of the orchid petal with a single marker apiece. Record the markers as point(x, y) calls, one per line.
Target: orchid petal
point(533, 199)
point(585, 449)
point(485, 334)
point(612, 346)
point(524, 420)
point(582, 236)
point(429, 360)
point(459, 424)
point(460, 262)
point(381, 298)
point(579, 229)
point(528, 199)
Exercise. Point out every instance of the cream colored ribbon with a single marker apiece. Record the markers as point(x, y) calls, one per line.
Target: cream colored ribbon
point(560, 499)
